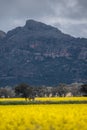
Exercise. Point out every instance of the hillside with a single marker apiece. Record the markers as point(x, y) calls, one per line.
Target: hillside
point(2, 34)
point(40, 54)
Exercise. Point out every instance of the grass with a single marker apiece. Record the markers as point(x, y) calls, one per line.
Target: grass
point(24, 102)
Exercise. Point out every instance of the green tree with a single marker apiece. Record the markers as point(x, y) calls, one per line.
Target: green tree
point(84, 89)
point(62, 89)
point(24, 90)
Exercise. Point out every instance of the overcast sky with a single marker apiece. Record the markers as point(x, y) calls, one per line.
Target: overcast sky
point(70, 16)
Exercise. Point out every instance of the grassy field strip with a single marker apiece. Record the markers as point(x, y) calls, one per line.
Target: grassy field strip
point(52, 100)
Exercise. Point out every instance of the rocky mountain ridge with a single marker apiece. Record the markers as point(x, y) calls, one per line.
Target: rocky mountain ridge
point(40, 54)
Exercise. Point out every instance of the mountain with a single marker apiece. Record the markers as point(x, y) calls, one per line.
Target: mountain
point(2, 34)
point(40, 54)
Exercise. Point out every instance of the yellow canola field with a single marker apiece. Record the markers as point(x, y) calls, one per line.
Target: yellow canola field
point(48, 99)
point(43, 117)
point(62, 98)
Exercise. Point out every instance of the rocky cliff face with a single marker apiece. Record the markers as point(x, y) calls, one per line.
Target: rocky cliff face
point(40, 54)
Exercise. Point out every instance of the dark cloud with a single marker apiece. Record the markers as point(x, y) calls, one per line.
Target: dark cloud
point(68, 15)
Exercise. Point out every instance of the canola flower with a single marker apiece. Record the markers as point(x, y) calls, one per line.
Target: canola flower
point(62, 98)
point(48, 99)
point(43, 117)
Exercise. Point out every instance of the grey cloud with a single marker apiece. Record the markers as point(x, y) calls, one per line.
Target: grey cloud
point(23, 8)
point(73, 9)
point(76, 30)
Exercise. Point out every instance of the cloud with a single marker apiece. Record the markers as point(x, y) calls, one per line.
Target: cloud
point(68, 15)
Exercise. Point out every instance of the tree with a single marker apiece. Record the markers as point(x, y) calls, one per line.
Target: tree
point(62, 89)
point(25, 91)
point(7, 92)
point(84, 89)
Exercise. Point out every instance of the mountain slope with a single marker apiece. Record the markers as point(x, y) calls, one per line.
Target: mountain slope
point(40, 54)
point(2, 34)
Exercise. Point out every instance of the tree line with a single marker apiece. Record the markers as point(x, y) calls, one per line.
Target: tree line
point(30, 92)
